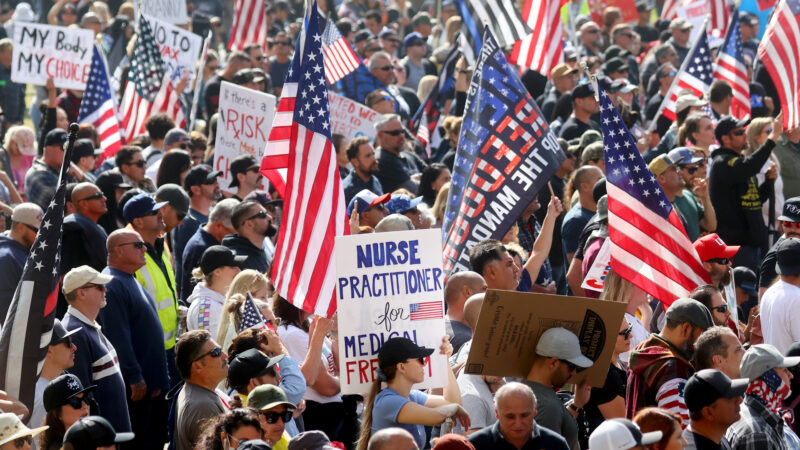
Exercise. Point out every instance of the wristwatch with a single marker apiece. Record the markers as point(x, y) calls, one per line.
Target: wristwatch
point(574, 408)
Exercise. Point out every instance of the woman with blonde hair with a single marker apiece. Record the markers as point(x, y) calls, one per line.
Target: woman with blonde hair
point(440, 205)
point(258, 286)
point(218, 267)
point(616, 289)
point(757, 133)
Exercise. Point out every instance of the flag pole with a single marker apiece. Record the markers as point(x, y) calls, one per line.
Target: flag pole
point(200, 69)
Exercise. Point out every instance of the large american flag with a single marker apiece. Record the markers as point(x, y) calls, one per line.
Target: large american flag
point(426, 119)
point(779, 51)
point(314, 208)
point(29, 323)
point(98, 107)
point(543, 48)
point(340, 59)
point(249, 24)
point(649, 246)
point(731, 67)
point(149, 90)
point(719, 12)
point(695, 75)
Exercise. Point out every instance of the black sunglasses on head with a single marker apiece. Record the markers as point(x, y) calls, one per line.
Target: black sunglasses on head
point(272, 417)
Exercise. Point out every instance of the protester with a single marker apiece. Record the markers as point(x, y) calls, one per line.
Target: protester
point(25, 221)
point(65, 400)
point(94, 432)
point(713, 402)
point(252, 224)
point(15, 434)
point(460, 287)
point(274, 412)
point(218, 266)
point(778, 302)
point(60, 357)
point(667, 423)
point(230, 430)
point(718, 348)
point(608, 401)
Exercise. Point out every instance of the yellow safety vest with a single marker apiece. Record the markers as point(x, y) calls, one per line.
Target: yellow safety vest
point(152, 279)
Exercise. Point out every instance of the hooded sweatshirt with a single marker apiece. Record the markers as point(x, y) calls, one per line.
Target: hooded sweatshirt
point(256, 257)
point(657, 374)
point(205, 309)
point(12, 260)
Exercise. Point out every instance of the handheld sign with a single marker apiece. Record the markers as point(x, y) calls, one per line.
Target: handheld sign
point(389, 285)
point(351, 119)
point(596, 276)
point(245, 118)
point(511, 323)
point(171, 11)
point(45, 51)
point(179, 48)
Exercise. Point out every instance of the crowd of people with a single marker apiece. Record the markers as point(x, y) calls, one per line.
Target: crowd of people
point(168, 329)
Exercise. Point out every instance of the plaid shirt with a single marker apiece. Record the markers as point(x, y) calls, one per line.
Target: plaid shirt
point(40, 183)
point(760, 429)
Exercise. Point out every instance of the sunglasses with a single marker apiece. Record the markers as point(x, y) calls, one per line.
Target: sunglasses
point(181, 217)
point(261, 215)
point(626, 333)
point(722, 261)
point(184, 146)
point(34, 229)
point(720, 309)
point(393, 132)
point(76, 402)
point(99, 287)
point(272, 417)
point(66, 341)
point(20, 442)
point(214, 354)
point(786, 223)
point(253, 169)
point(258, 58)
point(93, 197)
point(690, 169)
point(385, 68)
point(139, 245)
point(738, 132)
point(570, 366)
point(140, 163)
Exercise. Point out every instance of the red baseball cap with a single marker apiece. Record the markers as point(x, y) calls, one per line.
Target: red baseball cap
point(712, 246)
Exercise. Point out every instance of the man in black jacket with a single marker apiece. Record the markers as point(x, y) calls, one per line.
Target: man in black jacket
point(252, 223)
point(735, 194)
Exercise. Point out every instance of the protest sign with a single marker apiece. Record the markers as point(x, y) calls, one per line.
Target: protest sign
point(627, 7)
point(351, 119)
point(596, 276)
point(511, 323)
point(45, 51)
point(506, 153)
point(389, 285)
point(245, 118)
point(171, 11)
point(179, 48)
point(696, 13)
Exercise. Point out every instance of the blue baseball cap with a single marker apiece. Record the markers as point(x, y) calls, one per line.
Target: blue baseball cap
point(401, 203)
point(683, 155)
point(366, 199)
point(412, 38)
point(140, 206)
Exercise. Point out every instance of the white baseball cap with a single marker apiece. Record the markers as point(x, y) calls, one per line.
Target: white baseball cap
point(82, 275)
point(562, 344)
point(28, 213)
point(621, 434)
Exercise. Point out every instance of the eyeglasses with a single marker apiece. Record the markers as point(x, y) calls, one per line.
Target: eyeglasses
point(140, 163)
point(786, 223)
point(139, 245)
point(253, 169)
point(214, 354)
point(184, 146)
point(258, 58)
point(690, 169)
point(93, 197)
point(99, 287)
point(261, 215)
point(385, 68)
point(570, 366)
point(286, 43)
point(393, 132)
point(67, 341)
point(722, 309)
point(373, 49)
point(76, 402)
point(272, 416)
point(739, 132)
point(722, 261)
point(20, 442)
point(34, 229)
point(626, 332)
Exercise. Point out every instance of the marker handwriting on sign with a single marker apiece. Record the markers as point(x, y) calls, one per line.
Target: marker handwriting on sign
point(38, 38)
point(387, 254)
point(391, 315)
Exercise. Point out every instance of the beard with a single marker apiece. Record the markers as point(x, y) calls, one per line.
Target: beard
point(271, 231)
point(726, 278)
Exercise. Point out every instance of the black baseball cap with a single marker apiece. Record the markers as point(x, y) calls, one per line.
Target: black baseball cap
point(708, 385)
point(56, 136)
point(218, 256)
point(400, 349)
point(60, 333)
point(199, 175)
point(727, 124)
point(249, 364)
point(613, 65)
point(788, 257)
point(61, 389)
point(582, 91)
point(263, 198)
point(112, 179)
point(791, 210)
point(243, 76)
point(94, 431)
point(240, 165)
point(84, 147)
point(745, 278)
point(362, 35)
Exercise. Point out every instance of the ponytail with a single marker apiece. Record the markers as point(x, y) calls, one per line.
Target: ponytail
point(382, 375)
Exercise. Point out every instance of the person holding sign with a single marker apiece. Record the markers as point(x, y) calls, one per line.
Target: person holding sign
point(401, 364)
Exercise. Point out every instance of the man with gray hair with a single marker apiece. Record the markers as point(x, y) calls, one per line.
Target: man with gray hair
point(394, 438)
point(397, 168)
point(515, 407)
point(219, 225)
point(406, 100)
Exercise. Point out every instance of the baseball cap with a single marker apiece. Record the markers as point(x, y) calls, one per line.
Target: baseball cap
point(394, 222)
point(218, 256)
point(602, 208)
point(614, 51)
point(92, 432)
point(687, 101)
point(267, 396)
point(175, 196)
point(561, 343)
point(243, 76)
point(661, 163)
point(712, 246)
point(593, 151)
point(401, 203)
point(249, 364)
point(361, 36)
point(81, 276)
point(680, 23)
point(760, 358)
point(684, 155)
point(708, 385)
point(60, 333)
point(367, 199)
point(689, 310)
point(412, 38)
point(313, 439)
point(263, 198)
point(28, 213)
point(11, 428)
point(400, 349)
point(623, 85)
point(788, 257)
point(791, 210)
point(386, 33)
point(643, 6)
point(614, 65)
point(258, 75)
point(61, 389)
point(56, 136)
point(112, 180)
point(240, 165)
point(84, 147)
point(257, 444)
point(582, 91)
point(621, 434)
point(139, 206)
point(745, 278)
point(176, 135)
point(726, 124)
point(562, 70)
point(588, 137)
point(421, 18)
point(199, 175)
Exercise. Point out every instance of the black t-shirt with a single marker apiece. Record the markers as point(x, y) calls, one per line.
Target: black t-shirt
point(613, 387)
point(767, 273)
point(704, 443)
point(574, 128)
point(587, 231)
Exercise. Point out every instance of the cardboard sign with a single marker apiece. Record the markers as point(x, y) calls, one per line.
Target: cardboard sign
point(45, 51)
point(245, 118)
point(511, 323)
point(596, 276)
point(628, 8)
point(171, 11)
point(389, 285)
point(179, 48)
point(351, 119)
point(696, 13)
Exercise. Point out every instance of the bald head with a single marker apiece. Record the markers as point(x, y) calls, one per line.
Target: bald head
point(460, 286)
point(125, 250)
point(472, 309)
point(83, 190)
point(392, 439)
point(121, 236)
point(516, 391)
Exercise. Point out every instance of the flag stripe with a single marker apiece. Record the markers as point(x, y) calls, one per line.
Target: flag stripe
point(778, 51)
point(249, 25)
point(730, 66)
point(542, 49)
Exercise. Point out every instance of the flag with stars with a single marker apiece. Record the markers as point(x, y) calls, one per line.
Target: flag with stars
point(732, 68)
point(98, 107)
point(649, 246)
point(695, 75)
point(313, 202)
point(340, 59)
point(425, 122)
point(29, 323)
point(252, 317)
point(506, 153)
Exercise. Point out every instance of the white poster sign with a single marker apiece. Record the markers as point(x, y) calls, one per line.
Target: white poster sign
point(179, 48)
point(696, 13)
point(351, 119)
point(46, 51)
point(171, 11)
point(596, 276)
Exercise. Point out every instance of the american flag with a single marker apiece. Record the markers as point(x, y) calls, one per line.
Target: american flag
point(695, 75)
point(340, 59)
point(778, 50)
point(426, 310)
point(732, 68)
point(501, 16)
point(314, 209)
point(149, 90)
point(29, 323)
point(719, 12)
point(249, 24)
point(543, 48)
point(670, 9)
point(252, 317)
point(426, 119)
point(649, 246)
point(98, 107)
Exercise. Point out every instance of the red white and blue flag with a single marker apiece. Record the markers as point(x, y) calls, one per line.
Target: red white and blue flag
point(340, 59)
point(426, 310)
point(98, 107)
point(731, 67)
point(252, 317)
point(249, 25)
point(313, 202)
point(649, 246)
point(543, 48)
point(425, 121)
point(779, 52)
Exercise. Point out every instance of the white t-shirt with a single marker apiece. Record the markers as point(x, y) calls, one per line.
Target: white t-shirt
point(296, 341)
point(478, 399)
point(639, 334)
point(38, 414)
point(779, 307)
